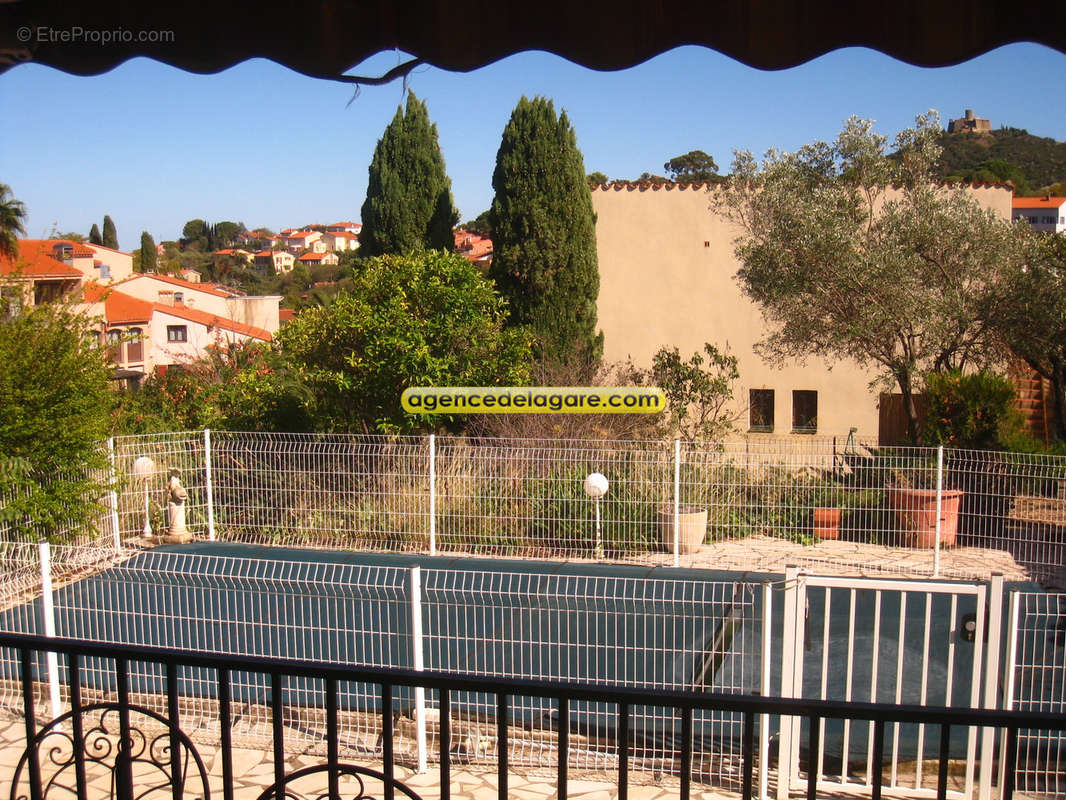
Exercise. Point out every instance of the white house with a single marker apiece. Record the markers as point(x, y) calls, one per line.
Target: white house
point(298, 241)
point(278, 260)
point(1045, 213)
point(314, 259)
point(339, 241)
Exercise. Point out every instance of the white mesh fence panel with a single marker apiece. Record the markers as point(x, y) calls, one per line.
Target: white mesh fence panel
point(655, 633)
point(627, 631)
point(334, 491)
point(182, 451)
point(757, 503)
point(1040, 685)
point(515, 497)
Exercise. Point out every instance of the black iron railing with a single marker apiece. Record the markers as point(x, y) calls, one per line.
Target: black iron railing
point(128, 751)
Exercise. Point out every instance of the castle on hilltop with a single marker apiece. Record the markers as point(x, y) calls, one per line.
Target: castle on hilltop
point(969, 124)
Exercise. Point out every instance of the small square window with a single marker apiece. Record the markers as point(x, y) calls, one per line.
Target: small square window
point(804, 411)
point(761, 409)
point(177, 333)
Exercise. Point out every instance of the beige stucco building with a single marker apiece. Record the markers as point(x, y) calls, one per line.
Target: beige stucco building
point(667, 278)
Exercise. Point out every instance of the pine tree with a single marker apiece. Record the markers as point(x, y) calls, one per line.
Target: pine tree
point(94, 235)
point(544, 234)
point(110, 238)
point(148, 254)
point(408, 202)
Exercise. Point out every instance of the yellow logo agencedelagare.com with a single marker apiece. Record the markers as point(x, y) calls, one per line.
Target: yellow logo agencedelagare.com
point(534, 400)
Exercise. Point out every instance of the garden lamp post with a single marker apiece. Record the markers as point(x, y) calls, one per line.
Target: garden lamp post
point(596, 488)
point(143, 468)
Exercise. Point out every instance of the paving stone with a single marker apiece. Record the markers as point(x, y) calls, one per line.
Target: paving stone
point(601, 794)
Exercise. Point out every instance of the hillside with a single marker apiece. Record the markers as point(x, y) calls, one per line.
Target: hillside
point(1041, 160)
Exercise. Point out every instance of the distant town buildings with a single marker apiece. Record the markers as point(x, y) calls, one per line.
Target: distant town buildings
point(279, 253)
point(148, 322)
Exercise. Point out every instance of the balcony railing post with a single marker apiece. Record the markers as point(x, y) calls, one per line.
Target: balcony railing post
point(112, 495)
point(415, 597)
point(208, 487)
point(432, 495)
point(48, 614)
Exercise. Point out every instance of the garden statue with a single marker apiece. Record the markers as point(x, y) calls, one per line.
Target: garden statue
point(177, 496)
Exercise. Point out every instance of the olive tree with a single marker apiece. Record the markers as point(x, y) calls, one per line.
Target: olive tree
point(855, 253)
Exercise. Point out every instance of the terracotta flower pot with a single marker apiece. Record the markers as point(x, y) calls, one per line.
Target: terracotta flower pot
point(916, 514)
point(827, 523)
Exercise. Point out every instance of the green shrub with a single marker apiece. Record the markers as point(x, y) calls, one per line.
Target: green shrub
point(971, 412)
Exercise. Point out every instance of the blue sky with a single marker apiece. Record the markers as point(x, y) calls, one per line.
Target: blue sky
point(154, 146)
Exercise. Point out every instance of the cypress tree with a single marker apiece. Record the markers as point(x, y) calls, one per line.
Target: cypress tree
point(544, 234)
point(148, 253)
point(94, 235)
point(408, 202)
point(110, 238)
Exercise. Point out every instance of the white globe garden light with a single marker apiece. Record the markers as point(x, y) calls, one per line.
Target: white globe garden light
point(143, 468)
point(596, 485)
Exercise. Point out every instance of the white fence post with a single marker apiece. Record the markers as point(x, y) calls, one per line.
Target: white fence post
point(677, 502)
point(939, 506)
point(786, 767)
point(116, 533)
point(48, 612)
point(432, 494)
point(1013, 621)
point(765, 688)
point(415, 596)
point(991, 676)
point(207, 486)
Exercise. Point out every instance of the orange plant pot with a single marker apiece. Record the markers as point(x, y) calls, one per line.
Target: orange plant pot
point(915, 511)
point(827, 523)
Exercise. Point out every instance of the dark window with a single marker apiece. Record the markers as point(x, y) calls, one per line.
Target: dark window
point(177, 333)
point(804, 411)
point(761, 409)
point(134, 347)
point(114, 344)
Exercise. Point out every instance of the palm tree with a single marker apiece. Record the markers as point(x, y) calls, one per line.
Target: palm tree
point(12, 213)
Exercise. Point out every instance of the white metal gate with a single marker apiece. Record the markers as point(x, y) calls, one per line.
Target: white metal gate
point(894, 641)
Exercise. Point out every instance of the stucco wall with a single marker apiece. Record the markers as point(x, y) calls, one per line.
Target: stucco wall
point(667, 279)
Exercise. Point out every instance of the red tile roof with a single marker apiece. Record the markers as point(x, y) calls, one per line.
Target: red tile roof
point(120, 308)
point(209, 288)
point(35, 260)
point(286, 314)
point(312, 256)
point(80, 250)
point(302, 234)
point(1038, 202)
point(473, 246)
point(345, 224)
point(204, 318)
point(108, 249)
point(343, 235)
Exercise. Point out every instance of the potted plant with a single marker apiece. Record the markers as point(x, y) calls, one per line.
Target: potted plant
point(692, 527)
point(912, 496)
point(828, 510)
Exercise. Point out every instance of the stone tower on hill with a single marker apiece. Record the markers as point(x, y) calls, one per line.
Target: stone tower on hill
point(969, 124)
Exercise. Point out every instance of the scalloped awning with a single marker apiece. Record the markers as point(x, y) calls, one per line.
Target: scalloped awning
point(325, 38)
